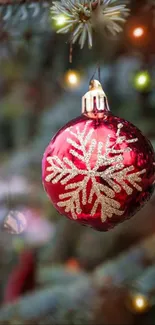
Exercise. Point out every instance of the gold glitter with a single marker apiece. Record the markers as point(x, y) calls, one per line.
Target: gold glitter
point(116, 175)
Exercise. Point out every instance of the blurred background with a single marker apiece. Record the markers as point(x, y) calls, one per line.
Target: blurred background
point(53, 271)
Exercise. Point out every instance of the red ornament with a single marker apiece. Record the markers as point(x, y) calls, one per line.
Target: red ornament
point(98, 169)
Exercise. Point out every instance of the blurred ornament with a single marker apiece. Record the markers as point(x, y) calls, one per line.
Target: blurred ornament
point(72, 79)
point(98, 169)
point(79, 17)
point(138, 303)
point(15, 223)
point(39, 230)
point(22, 278)
point(142, 81)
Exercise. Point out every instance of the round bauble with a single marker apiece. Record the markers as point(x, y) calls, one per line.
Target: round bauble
point(98, 169)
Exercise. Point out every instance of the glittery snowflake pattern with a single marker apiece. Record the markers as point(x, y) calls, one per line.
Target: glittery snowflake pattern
point(114, 176)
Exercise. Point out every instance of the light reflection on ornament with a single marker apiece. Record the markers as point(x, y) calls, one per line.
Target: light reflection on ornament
point(15, 223)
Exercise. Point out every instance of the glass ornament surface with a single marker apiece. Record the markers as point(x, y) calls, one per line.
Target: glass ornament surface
point(99, 171)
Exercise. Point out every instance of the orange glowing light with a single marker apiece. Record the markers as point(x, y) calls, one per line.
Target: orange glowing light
point(138, 32)
point(73, 265)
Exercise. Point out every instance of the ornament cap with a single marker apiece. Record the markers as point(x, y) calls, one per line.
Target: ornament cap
point(95, 100)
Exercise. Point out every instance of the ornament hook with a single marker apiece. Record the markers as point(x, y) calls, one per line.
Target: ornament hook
point(95, 102)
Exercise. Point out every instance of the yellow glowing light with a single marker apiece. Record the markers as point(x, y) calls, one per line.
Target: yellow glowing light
point(140, 303)
point(72, 79)
point(138, 32)
point(142, 80)
point(61, 20)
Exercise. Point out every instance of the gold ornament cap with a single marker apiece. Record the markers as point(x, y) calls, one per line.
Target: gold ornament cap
point(95, 100)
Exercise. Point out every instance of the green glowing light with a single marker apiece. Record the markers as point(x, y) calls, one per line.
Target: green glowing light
point(59, 21)
point(142, 81)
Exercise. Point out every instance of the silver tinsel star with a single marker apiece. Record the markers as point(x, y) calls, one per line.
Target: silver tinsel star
point(82, 16)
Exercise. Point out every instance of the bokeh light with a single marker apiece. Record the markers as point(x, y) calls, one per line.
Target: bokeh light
point(59, 21)
point(140, 303)
point(142, 81)
point(138, 32)
point(72, 79)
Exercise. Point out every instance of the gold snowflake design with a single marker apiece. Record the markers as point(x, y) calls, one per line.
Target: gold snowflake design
point(114, 176)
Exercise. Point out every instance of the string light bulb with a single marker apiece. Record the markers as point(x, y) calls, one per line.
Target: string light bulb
point(72, 79)
point(59, 21)
point(138, 32)
point(142, 81)
point(140, 303)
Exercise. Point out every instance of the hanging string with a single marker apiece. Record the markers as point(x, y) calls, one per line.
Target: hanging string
point(99, 73)
point(93, 75)
point(71, 53)
point(97, 70)
point(71, 47)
